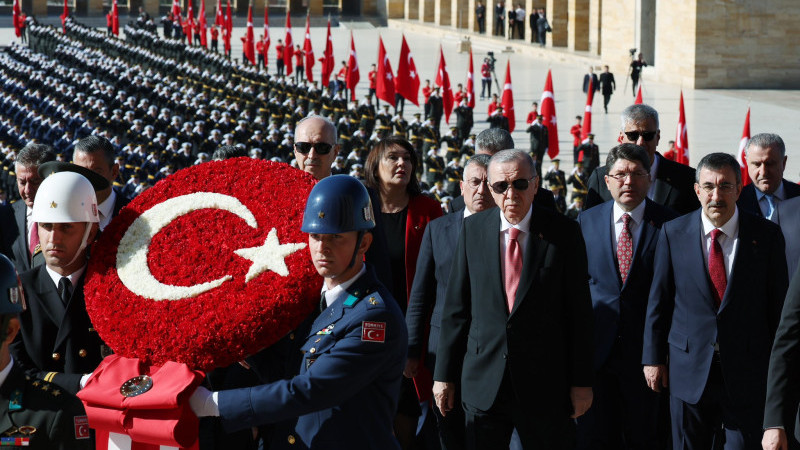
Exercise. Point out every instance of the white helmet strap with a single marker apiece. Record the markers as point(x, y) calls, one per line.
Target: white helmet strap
point(84, 243)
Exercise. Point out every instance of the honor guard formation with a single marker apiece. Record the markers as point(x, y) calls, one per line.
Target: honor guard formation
point(471, 297)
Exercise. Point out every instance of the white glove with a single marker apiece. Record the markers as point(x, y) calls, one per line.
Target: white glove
point(204, 402)
point(85, 379)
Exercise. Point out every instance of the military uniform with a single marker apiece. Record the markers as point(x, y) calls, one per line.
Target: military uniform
point(346, 393)
point(40, 415)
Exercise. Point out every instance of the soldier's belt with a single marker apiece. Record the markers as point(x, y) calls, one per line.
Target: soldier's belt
point(580, 191)
point(434, 170)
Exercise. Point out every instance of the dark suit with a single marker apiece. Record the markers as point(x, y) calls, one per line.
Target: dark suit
point(607, 85)
point(524, 362)
point(789, 215)
point(683, 325)
point(425, 305)
point(748, 201)
point(783, 391)
point(54, 337)
point(623, 403)
point(674, 187)
point(20, 248)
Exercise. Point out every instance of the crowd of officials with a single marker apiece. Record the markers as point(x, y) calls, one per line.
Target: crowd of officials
point(461, 308)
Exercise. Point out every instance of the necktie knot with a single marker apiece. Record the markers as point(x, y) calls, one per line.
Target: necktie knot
point(715, 234)
point(626, 219)
point(513, 233)
point(65, 289)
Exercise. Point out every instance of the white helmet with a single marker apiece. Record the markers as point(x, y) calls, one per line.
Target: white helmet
point(65, 197)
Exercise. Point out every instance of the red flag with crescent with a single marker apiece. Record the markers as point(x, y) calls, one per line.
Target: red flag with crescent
point(115, 18)
point(288, 48)
point(327, 58)
point(508, 100)
point(309, 51)
point(443, 80)
point(384, 84)
point(548, 108)
point(743, 148)
point(407, 79)
point(682, 137)
point(586, 128)
point(353, 74)
point(249, 39)
point(266, 33)
point(202, 24)
point(470, 82)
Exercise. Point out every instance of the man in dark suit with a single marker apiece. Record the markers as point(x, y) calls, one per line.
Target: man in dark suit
point(671, 182)
point(430, 285)
point(766, 162)
point(621, 236)
point(712, 313)
point(97, 154)
point(607, 86)
point(27, 169)
point(783, 393)
point(539, 139)
point(57, 341)
point(591, 77)
point(516, 334)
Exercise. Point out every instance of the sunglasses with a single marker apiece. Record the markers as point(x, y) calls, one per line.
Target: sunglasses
point(502, 186)
point(633, 136)
point(322, 148)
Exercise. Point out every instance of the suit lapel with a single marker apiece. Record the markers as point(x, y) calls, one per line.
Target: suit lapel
point(74, 308)
point(646, 234)
point(607, 234)
point(663, 188)
point(532, 259)
point(745, 251)
point(690, 246)
point(47, 294)
point(487, 249)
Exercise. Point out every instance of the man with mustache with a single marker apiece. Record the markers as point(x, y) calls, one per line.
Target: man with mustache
point(621, 237)
point(718, 289)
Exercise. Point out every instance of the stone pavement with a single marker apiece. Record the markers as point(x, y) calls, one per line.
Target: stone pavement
point(714, 117)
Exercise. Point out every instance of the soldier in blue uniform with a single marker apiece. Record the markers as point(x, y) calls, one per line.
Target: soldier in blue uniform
point(33, 413)
point(345, 395)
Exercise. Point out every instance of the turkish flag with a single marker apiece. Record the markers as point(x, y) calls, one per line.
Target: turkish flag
point(407, 81)
point(384, 85)
point(470, 83)
point(219, 20)
point(188, 28)
point(226, 28)
point(443, 80)
point(266, 34)
point(309, 52)
point(353, 74)
point(639, 100)
point(114, 18)
point(202, 24)
point(681, 137)
point(508, 99)
point(288, 48)
point(64, 16)
point(16, 18)
point(548, 111)
point(249, 40)
point(742, 147)
point(176, 9)
point(587, 113)
point(327, 58)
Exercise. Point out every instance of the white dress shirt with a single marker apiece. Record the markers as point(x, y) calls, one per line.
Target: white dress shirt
point(634, 226)
point(340, 290)
point(778, 196)
point(729, 240)
point(106, 209)
point(73, 277)
point(524, 226)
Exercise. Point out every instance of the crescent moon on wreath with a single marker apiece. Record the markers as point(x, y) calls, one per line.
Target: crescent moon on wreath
point(132, 267)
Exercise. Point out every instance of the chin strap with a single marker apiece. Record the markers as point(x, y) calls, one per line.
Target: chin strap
point(84, 242)
point(355, 252)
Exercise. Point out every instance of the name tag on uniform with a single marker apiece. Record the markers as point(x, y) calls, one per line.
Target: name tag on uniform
point(373, 331)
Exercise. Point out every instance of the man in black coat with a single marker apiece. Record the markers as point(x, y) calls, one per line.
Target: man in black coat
point(607, 86)
point(672, 184)
point(766, 162)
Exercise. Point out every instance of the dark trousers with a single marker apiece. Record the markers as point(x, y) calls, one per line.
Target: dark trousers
point(486, 87)
point(606, 99)
point(451, 426)
point(625, 411)
point(712, 423)
point(498, 27)
point(374, 96)
point(482, 25)
point(279, 65)
point(299, 73)
point(399, 103)
point(491, 430)
point(634, 81)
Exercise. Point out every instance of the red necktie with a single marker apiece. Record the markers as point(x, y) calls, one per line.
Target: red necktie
point(34, 240)
point(625, 248)
point(716, 268)
point(513, 266)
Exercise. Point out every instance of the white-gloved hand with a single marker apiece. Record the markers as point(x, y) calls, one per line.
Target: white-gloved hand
point(204, 403)
point(85, 379)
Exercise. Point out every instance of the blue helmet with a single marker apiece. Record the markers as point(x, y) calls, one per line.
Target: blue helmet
point(338, 204)
point(12, 300)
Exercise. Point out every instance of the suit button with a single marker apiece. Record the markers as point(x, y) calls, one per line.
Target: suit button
point(508, 326)
point(505, 355)
point(313, 350)
point(56, 356)
point(291, 439)
point(82, 353)
point(291, 336)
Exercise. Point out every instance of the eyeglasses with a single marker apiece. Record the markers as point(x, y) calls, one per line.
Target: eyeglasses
point(475, 183)
point(502, 186)
point(621, 177)
point(723, 188)
point(322, 148)
point(633, 136)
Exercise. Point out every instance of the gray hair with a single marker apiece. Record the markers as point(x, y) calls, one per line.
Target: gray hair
point(34, 155)
point(767, 140)
point(328, 124)
point(513, 155)
point(481, 160)
point(639, 113)
point(717, 162)
point(493, 140)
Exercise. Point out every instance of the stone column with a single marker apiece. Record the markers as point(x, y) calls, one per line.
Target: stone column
point(411, 9)
point(442, 12)
point(595, 26)
point(578, 25)
point(557, 15)
point(462, 14)
point(490, 18)
point(426, 11)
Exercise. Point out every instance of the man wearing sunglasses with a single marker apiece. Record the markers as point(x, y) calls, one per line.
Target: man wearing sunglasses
point(671, 183)
point(315, 146)
point(516, 334)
